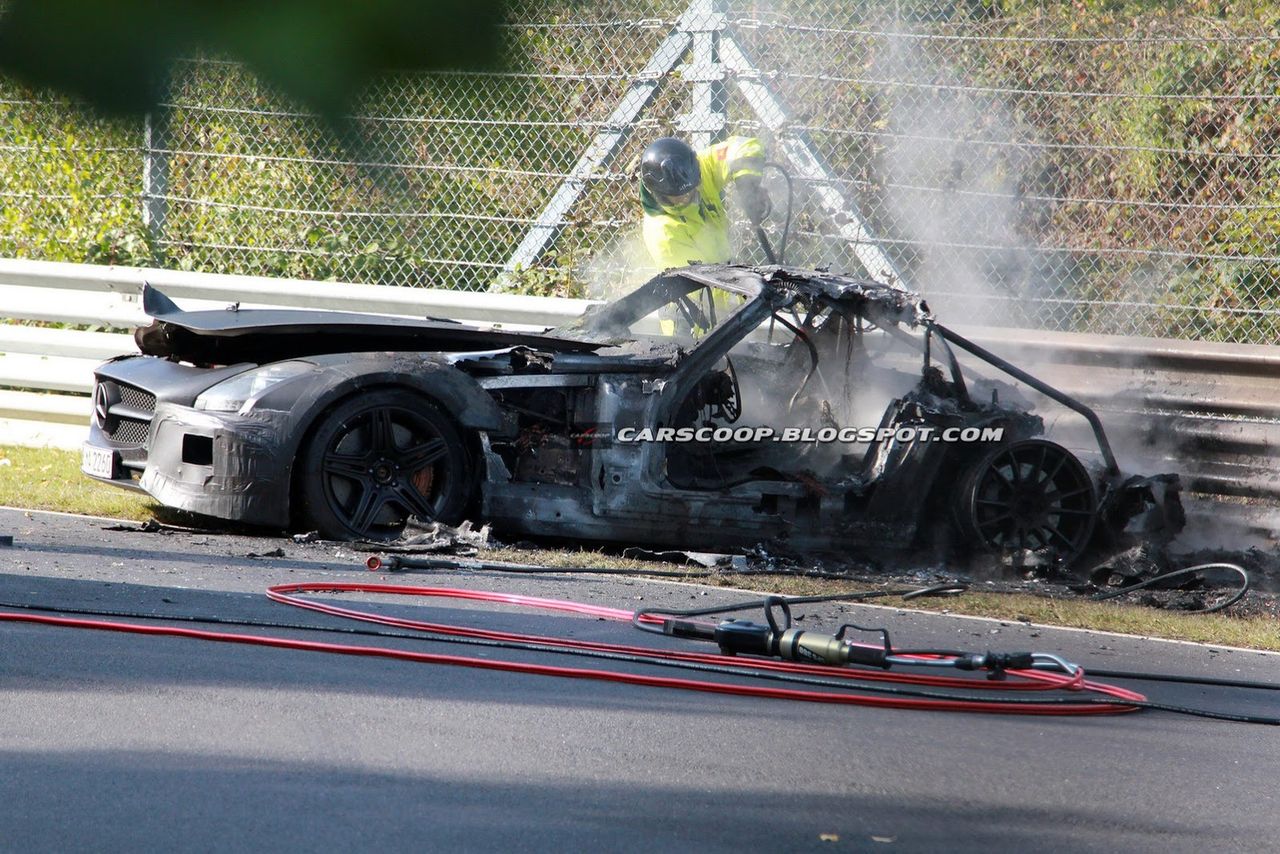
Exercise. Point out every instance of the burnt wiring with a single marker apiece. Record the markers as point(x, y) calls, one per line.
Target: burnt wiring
point(804, 338)
point(729, 409)
point(1178, 573)
point(394, 563)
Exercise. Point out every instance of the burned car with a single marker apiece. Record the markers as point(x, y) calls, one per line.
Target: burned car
point(716, 406)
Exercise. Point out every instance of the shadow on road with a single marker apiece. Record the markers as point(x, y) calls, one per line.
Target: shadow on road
point(136, 800)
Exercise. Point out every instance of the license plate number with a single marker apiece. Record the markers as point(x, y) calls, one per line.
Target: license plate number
point(99, 462)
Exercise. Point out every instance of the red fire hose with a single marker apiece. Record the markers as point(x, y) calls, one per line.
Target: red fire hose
point(844, 685)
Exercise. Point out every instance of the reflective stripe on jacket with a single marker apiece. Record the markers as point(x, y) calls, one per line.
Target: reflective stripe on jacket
point(699, 231)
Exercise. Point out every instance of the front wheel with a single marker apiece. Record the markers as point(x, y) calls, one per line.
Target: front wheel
point(377, 459)
point(1033, 495)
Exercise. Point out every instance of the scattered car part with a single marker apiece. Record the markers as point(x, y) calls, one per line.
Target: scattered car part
point(1190, 571)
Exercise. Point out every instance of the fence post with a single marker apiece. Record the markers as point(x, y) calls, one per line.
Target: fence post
point(155, 179)
point(642, 89)
point(807, 165)
point(706, 119)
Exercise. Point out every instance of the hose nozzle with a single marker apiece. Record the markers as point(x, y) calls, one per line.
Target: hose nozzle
point(744, 636)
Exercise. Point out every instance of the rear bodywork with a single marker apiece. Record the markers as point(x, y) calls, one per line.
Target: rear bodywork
point(543, 414)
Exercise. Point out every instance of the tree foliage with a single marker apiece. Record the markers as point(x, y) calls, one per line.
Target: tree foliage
point(118, 55)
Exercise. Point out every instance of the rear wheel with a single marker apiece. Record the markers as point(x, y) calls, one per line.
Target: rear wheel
point(377, 459)
point(1031, 495)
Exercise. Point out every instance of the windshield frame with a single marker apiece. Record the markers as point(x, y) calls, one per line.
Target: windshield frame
point(613, 321)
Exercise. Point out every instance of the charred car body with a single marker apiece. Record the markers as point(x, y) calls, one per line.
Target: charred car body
point(349, 424)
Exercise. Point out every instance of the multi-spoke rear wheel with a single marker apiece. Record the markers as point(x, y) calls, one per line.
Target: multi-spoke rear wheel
point(377, 459)
point(1032, 494)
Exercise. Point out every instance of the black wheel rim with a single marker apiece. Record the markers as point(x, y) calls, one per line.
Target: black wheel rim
point(1032, 495)
point(383, 465)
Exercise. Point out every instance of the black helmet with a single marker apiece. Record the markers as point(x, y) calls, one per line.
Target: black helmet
point(669, 168)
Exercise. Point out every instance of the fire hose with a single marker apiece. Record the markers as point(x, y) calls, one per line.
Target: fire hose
point(820, 666)
point(766, 246)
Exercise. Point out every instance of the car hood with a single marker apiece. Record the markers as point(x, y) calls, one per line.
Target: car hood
point(268, 335)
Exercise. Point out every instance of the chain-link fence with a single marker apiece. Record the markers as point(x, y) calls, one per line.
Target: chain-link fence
point(1020, 163)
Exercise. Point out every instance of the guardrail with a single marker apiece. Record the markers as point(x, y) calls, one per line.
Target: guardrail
point(1209, 411)
point(46, 375)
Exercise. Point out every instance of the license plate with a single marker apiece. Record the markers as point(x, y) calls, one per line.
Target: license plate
point(99, 462)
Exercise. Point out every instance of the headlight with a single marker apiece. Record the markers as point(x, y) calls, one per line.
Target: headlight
point(242, 391)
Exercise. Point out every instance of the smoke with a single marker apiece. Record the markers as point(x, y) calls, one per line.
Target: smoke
point(969, 185)
point(786, 389)
point(954, 179)
point(620, 266)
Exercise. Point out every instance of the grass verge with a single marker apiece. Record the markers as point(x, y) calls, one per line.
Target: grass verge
point(46, 479)
point(50, 479)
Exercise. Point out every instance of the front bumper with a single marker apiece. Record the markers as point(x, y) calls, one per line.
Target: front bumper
point(220, 464)
point(216, 464)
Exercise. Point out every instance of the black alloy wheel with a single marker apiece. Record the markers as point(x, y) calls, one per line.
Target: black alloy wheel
point(1032, 495)
point(378, 459)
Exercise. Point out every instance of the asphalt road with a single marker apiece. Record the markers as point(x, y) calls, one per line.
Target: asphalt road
point(115, 742)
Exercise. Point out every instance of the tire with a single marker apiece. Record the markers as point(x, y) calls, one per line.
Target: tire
point(1033, 494)
point(375, 460)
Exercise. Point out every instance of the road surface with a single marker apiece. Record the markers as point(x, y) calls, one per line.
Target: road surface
point(116, 742)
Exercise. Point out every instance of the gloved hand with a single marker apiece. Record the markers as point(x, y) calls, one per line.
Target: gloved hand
point(753, 197)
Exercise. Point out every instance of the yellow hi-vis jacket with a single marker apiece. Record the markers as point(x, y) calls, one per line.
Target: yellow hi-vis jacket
point(699, 231)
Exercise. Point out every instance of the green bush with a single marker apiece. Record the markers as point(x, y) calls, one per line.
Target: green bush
point(70, 184)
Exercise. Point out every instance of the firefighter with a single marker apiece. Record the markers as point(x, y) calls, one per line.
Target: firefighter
point(682, 193)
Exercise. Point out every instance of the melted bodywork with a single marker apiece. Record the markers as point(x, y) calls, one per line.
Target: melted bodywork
point(747, 358)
